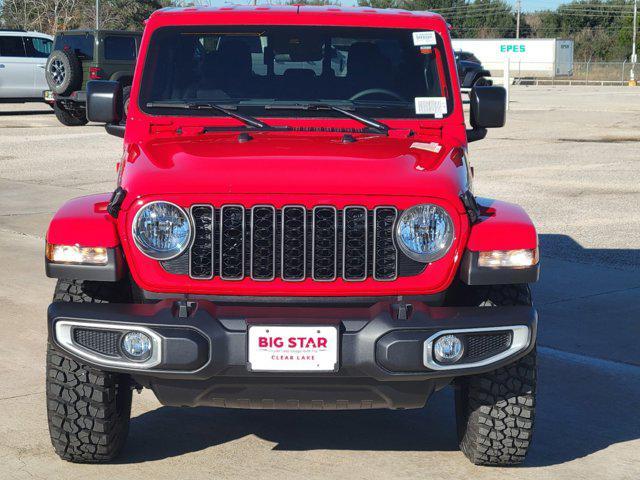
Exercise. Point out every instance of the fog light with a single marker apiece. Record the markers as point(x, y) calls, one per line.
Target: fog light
point(448, 349)
point(137, 345)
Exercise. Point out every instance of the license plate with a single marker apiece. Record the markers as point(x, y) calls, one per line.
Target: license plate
point(292, 349)
point(48, 95)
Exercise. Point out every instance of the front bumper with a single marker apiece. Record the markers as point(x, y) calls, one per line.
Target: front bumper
point(202, 357)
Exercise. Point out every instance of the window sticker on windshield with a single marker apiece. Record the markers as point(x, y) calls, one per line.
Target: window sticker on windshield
point(436, 106)
point(424, 38)
point(434, 147)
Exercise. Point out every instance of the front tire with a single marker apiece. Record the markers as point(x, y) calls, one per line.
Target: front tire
point(88, 409)
point(495, 411)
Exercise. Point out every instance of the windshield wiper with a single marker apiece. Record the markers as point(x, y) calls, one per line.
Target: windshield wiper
point(246, 119)
point(368, 121)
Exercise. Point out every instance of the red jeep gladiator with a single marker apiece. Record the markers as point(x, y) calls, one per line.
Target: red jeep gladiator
point(293, 227)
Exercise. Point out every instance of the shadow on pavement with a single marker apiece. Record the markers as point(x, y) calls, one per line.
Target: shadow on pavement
point(583, 407)
point(565, 247)
point(168, 431)
point(19, 113)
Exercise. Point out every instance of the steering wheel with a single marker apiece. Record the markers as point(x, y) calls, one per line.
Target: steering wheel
point(372, 91)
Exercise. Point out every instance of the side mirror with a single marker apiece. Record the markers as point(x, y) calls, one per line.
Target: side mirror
point(488, 110)
point(488, 107)
point(104, 105)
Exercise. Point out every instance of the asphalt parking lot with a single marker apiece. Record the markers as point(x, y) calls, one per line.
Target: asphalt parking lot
point(569, 155)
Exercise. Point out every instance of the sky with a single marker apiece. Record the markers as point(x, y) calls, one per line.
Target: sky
point(527, 5)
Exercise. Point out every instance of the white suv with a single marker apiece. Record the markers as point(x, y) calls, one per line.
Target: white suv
point(22, 60)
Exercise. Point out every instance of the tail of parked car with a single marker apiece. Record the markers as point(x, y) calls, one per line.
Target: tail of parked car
point(22, 65)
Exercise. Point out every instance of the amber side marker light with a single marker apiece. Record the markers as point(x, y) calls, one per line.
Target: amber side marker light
point(76, 254)
point(508, 258)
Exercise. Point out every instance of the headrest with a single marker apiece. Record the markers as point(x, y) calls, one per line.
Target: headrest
point(235, 56)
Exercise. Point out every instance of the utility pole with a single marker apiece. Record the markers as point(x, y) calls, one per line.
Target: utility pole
point(518, 8)
point(97, 14)
point(634, 55)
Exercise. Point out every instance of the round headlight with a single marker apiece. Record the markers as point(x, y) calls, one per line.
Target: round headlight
point(425, 232)
point(161, 230)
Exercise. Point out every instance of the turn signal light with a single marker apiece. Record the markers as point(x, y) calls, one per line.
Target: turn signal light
point(76, 254)
point(508, 258)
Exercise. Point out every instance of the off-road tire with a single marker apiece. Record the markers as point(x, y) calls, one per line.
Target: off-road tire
point(88, 409)
point(68, 118)
point(495, 411)
point(126, 94)
point(84, 291)
point(72, 66)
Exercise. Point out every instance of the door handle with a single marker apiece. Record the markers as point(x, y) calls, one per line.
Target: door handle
point(40, 66)
point(1, 65)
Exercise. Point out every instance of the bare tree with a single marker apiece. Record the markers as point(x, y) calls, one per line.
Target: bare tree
point(47, 16)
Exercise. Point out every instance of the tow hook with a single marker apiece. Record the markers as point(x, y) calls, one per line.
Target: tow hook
point(402, 310)
point(184, 308)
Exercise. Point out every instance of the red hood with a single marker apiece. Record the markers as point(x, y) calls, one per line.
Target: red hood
point(274, 163)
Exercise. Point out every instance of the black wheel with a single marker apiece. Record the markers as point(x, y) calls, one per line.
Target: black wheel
point(495, 411)
point(63, 72)
point(126, 93)
point(68, 117)
point(88, 409)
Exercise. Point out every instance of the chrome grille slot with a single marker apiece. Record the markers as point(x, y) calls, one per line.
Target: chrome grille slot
point(385, 254)
point(263, 242)
point(201, 251)
point(294, 243)
point(232, 236)
point(324, 245)
point(354, 243)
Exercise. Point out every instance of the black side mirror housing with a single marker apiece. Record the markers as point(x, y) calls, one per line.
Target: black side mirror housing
point(104, 105)
point(488, 107)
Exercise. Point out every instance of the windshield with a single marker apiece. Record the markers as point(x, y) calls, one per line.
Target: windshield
point(266, 71)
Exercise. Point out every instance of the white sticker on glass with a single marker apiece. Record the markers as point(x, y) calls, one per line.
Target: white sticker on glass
point(424, 38)
point(434, 147)
point(436, 106)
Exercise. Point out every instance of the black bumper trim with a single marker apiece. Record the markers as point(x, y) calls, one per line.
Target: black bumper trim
point(364, 379)
point(361, 329)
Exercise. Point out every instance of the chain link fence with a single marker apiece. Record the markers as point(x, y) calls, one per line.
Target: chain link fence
point(578, 73)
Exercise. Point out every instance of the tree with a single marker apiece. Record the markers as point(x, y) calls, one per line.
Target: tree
point(477, 18)
point(50, 16)
point(46, 16)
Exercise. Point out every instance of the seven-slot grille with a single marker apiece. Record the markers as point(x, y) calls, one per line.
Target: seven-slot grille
point(293, 243)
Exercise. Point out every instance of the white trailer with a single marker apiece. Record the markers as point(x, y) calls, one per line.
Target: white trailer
point(528, 57)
